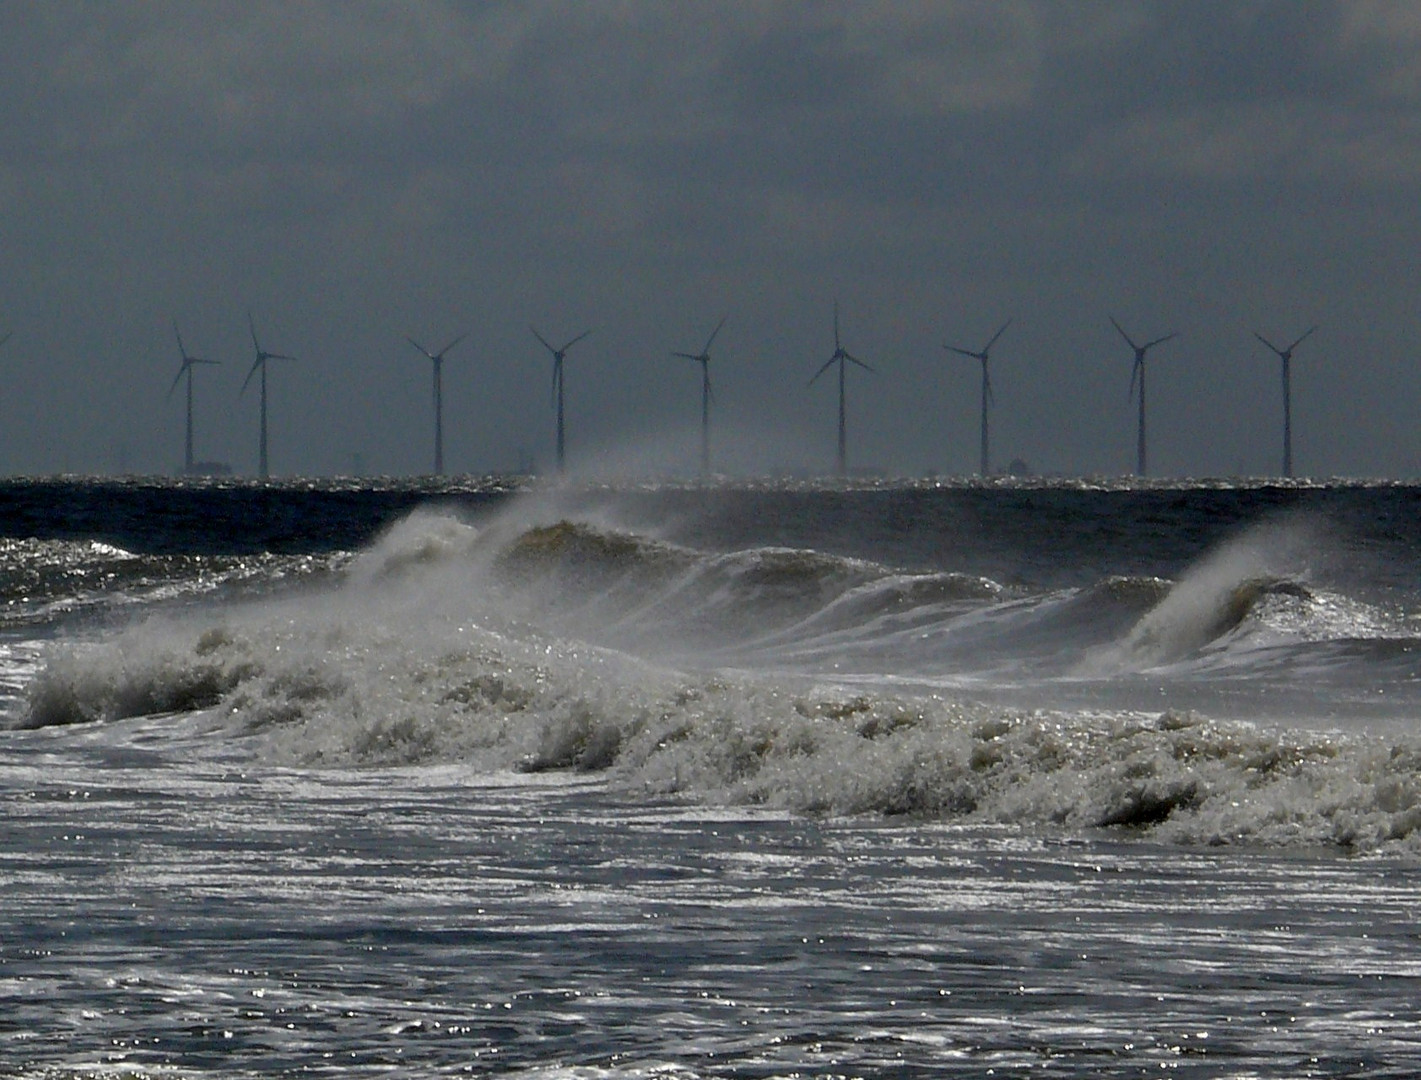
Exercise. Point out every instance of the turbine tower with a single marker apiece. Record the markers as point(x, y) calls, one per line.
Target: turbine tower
point(1286, 355)
point(703, 358)
point(260, 364)
point(188, 363)
point(558, 356)
point(1137, 372)
point(987, 401)
point(841, 356)
point(437, 359)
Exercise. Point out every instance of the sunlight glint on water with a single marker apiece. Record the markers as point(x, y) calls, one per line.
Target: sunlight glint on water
point(552, 789)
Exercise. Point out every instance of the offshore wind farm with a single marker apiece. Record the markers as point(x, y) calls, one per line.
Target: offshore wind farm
point(840, 358)
point(616, 372)
point(973, 192)
point(700, 717)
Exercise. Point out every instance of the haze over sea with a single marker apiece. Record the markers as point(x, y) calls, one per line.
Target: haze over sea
point(754, 779)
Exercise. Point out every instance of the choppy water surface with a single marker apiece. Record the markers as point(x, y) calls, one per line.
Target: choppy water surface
point(168, 906)
point(1060, 780)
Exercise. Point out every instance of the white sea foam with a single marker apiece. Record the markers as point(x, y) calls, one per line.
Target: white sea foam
point(431, 650)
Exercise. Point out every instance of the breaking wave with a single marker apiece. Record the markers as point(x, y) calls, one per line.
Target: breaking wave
point(782, 677)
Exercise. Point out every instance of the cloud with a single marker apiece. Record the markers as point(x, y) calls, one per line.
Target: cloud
point(1384, 38)
point(1272, 142)
point(256, 71)
point(358, 170)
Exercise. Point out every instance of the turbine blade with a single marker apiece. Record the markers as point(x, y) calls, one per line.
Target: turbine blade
point(182, 349)
point(256, 364)
point(987, 386)
point(1160, 340)
point(963, 352)
point(575, 340)
point(688, 356)
point(1307, 333)
point(988, 347)
point(855, 360)
point(1124, 335)
point(557, 380)
point(251, 324)
point(420, 347)
point(1270, 345)
point(1134, 374)
point(836, 325)
point(451, 344)
point(541, 338)
point(827, 365)
point(279, 356)
point(176, 378)
point(714, 332)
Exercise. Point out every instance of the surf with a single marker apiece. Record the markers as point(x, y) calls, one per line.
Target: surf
point(768, 676)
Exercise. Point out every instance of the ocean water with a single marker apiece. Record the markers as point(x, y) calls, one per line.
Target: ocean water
point(1087, 778)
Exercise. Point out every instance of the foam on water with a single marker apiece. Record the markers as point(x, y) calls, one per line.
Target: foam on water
point(546, 647)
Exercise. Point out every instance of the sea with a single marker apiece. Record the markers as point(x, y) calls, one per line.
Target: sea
point(780, 778)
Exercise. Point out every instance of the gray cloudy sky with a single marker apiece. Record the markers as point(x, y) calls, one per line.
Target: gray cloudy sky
point(354, 172)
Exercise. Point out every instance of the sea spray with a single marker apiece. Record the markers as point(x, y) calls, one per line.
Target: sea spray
point(515, 647)
point(1216, 595)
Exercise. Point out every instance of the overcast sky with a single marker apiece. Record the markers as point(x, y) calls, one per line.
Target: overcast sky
point(357, 172)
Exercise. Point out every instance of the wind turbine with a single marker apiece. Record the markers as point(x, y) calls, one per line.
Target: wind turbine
point(437, 358)
point(1137, 372)
point(260, 363)
point(841, 357)
point(1286, 355)
point(703, 358)
point(987, 401)
point(558, 355)
point(188, 363)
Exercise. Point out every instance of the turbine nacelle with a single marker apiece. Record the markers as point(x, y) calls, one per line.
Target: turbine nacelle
point(260, 362)
point(1285, 354)
point(189, 362)
point(262, 356)
point(703, 357)
point(558, 354)
point(437, 357)
point(1137, 371)
point(185, 368)
point(984, 354)
point(841, 354)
